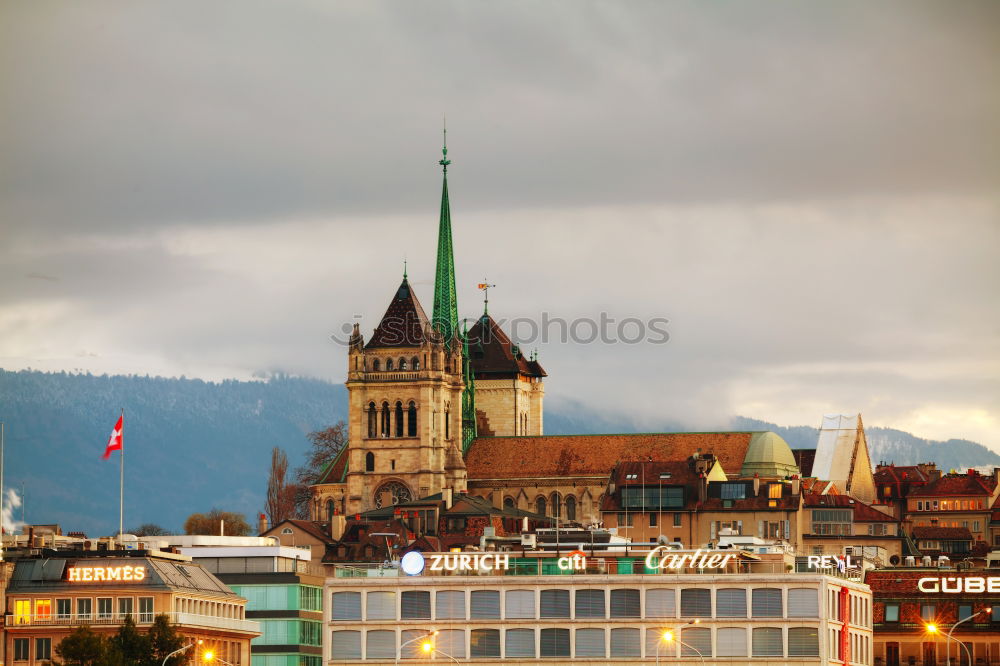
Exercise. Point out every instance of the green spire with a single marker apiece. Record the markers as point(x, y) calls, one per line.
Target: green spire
point(445, 317)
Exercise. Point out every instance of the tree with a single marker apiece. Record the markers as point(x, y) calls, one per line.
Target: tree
point(217, 522)
point(83, 647)
point(128, 644)
point(164, 639)
point(149, 529)
point(280, 494)
point(325, 445)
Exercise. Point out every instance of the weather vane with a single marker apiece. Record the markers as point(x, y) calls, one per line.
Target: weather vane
point(485, 286)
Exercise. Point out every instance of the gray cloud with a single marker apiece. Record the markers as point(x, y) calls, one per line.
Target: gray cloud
point(807, 192)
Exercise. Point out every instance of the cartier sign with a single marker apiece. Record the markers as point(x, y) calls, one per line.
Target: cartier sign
point(124, 574)
point(958, 584)
point(662, 557)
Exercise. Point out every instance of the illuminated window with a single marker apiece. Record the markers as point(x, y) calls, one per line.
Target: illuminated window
point(774, 490)
point(22, 611)
point(43, 609)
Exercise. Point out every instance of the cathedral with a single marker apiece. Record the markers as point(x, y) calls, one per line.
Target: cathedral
point(436, 407)
point(420, 392)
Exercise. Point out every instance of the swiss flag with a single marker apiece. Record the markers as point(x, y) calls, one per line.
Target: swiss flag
point(115, 441)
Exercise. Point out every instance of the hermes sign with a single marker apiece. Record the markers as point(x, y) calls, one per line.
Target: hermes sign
point(125, 574)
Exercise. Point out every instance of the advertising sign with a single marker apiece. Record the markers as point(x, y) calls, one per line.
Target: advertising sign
point(663, 557)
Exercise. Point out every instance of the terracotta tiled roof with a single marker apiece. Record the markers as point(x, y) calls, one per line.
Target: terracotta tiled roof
point(404, 323)
point(899, 474)
point(596, 455)
point(863, 513)
point(943, 533)
point(492, 354)
point(957, 485)
point(311, 528)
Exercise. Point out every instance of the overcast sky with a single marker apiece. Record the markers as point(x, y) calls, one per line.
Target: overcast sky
point(807, 192)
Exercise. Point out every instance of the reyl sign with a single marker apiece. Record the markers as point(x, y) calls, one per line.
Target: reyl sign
point(662, 557)
point(958, 584)
point(125, 574)
point(831, 562)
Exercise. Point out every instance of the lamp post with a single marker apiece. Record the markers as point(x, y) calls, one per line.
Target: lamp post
point(210, 656)
point(426, 647)
point(179, 650)
point(669, 636)
point(947, 648)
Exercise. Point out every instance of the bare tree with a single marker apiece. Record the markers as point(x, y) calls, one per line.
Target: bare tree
point(326, 444)
point(280, 494)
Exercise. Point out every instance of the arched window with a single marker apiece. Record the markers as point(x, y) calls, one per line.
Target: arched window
point(509, 503)
point(392, 492)
point(329, 509)
point(540, 506)
point(369, 462)
point(376, 365)
point(372, 420)
point(556, 505)
point(402, 364)
point(415, 363)
point(388, 364)
point(447, 424)
point(399, 419)
point(570, 507)
point(385, 419)
point(411, 420)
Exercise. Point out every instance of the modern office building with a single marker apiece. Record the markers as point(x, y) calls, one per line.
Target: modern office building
point(284, 593)
point(51, 594)
point(489, 607)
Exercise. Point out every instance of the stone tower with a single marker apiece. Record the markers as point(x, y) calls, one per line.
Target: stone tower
point(405, 404)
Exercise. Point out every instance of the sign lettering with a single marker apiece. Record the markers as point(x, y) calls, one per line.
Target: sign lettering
point(574, 561)
point(661, 557)
point(958, 584)
point(469, 561)
point(831, 562)
point(127, 574)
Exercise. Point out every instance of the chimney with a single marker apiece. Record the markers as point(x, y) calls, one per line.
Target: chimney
point(338, 523)
point(448, 496)
point(497, 498)
point(756, 484)
point(261, 523)
point(702, 487)
point(796, 484)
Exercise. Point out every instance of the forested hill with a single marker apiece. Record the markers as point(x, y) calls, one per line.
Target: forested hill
point(192, 445)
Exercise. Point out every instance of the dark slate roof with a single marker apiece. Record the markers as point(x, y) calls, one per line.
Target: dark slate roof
point(404, 323)
point(863, 513)
point(804, 458)
point(493, 355)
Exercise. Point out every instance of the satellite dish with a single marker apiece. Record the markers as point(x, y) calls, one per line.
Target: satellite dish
point(663, 540)
point(894, 560)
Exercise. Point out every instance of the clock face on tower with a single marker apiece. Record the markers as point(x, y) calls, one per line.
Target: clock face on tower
point(398, 492)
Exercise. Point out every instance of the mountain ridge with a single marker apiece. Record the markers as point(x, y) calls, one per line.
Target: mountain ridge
point(191, 444)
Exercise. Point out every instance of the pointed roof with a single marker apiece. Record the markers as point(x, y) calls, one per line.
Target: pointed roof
point(445, 316)
point(404, 323)
point(494, 356)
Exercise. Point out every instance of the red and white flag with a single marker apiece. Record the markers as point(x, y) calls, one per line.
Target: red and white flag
point(115, 441)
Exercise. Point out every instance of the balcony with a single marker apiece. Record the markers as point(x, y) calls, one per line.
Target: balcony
point(13, 622)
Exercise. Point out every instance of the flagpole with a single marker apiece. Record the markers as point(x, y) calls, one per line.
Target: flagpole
point(121, 484)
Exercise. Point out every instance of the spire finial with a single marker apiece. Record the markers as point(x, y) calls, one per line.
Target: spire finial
point(485, 287)
point(444, 162)
point(404, 267)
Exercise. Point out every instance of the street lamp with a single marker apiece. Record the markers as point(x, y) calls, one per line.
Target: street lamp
point(427, 646)
point(199, 642)
point(669, 636)
point(211, 656)
point(947, 648)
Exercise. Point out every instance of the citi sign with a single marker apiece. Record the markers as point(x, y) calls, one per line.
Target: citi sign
point(574, 561)
point(956, 584)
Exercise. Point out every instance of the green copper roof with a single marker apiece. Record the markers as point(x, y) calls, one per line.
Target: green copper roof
point(445, 317)
point(768, 455)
